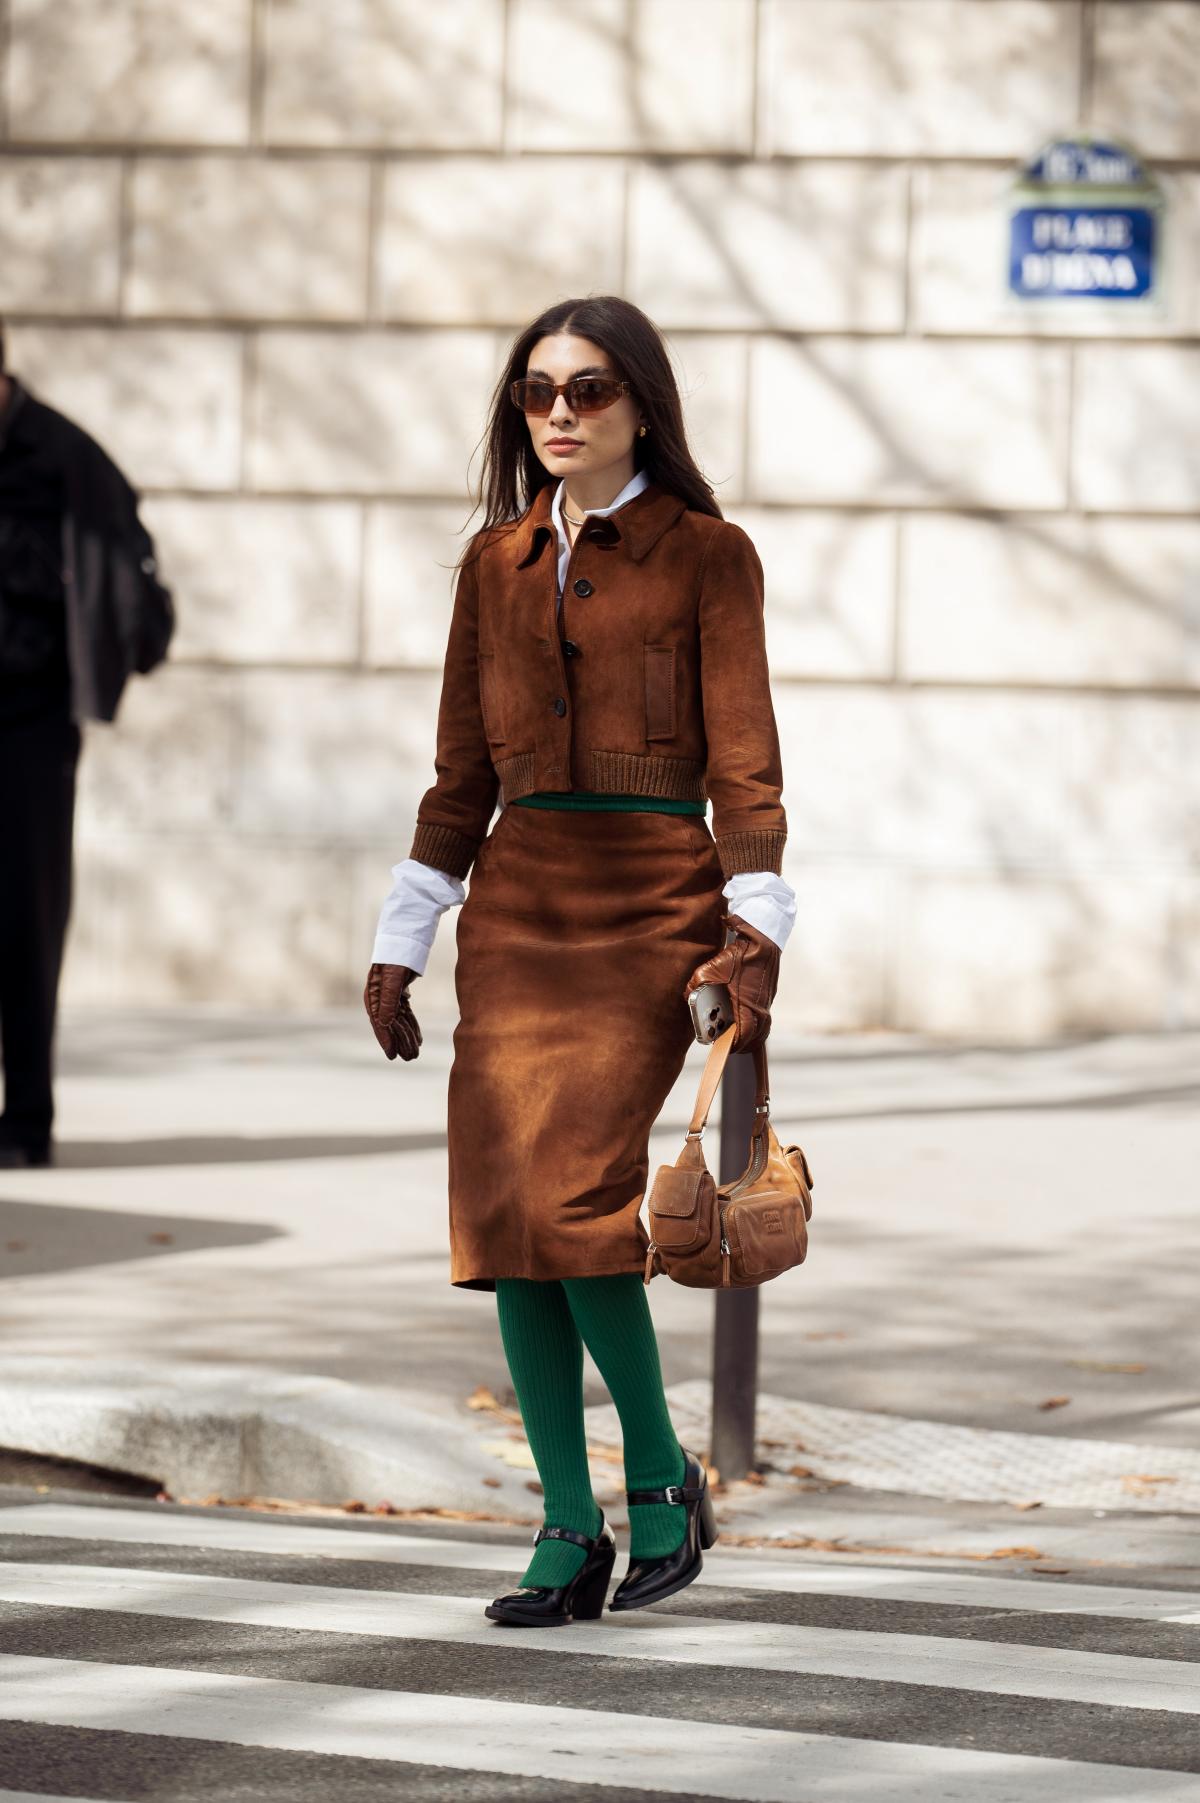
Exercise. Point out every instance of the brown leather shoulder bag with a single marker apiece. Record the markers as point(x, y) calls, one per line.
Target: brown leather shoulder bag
point(730, 1235)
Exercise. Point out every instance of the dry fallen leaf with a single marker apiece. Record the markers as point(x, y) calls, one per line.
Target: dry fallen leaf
point(482, 1398)
point(824, 1336)
point(286, 1505)
point(1051, 1571)
point(161, 1239)
point(1133, 1370)
point(800, 1471)
point(811, 1543)
point(754, 1477)
point(493, 1483)
point(606, 1453)
point(354, 1508)
point(1140, 1483)
point(516, 1452)
point(532, 1484)
point(1008, 1552)
point(1054, 1402)
point(1027, 1505)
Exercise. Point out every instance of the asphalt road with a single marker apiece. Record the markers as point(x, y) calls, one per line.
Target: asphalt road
point(147, 1650)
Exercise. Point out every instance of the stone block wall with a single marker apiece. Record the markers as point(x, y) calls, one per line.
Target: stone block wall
point(271, 252)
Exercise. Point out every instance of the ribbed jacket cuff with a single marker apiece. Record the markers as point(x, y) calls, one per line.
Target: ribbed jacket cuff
point(751, 851)
point(444, 848)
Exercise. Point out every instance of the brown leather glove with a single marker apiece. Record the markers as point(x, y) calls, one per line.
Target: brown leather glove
point(750, 966)
point(386, 1000)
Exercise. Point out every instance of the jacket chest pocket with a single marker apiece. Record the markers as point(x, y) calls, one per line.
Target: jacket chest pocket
point(658, 662)
point(489, 699)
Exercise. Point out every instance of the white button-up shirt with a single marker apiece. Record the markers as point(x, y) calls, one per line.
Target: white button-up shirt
point(421, 894)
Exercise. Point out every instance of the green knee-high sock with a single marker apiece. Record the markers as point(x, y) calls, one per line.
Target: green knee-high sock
point(613, 1317)
point(545, 1359)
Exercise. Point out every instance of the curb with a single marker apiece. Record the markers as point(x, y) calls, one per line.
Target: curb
point(233, 1431)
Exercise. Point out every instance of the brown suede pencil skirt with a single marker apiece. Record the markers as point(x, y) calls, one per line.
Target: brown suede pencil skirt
point(575, 943)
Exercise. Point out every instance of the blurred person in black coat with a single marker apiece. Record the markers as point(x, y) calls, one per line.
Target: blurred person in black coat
point(81, 607)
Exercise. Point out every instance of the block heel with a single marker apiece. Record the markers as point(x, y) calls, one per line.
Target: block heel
point(650, 1580)
point(554, 1605)
point(587, 1604)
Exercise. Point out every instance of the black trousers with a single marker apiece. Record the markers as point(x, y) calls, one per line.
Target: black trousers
point(38, 760)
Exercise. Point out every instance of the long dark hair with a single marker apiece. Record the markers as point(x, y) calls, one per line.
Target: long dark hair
point(512, 472)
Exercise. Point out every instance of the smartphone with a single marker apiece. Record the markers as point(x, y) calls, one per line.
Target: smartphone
point(712, 1010)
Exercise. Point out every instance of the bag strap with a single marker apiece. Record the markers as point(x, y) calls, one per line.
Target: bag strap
point(711, 1075)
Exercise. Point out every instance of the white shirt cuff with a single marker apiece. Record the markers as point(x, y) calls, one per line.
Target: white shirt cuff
point(765, 900)
point(409, 917)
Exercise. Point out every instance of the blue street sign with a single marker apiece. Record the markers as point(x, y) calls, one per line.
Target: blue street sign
point(1084, 224)
point(1080, 251)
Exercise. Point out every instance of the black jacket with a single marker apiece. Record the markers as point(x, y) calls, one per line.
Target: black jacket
point(120, 617)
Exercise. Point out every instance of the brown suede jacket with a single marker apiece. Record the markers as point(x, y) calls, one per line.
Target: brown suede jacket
point(652, 681)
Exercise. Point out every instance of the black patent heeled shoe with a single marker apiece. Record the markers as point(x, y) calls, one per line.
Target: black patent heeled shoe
point(650, 1580)
point(553, 1605)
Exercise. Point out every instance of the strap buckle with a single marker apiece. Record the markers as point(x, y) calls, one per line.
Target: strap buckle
point(673, 1493)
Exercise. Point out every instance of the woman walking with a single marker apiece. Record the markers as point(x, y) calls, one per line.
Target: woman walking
point(605, 676)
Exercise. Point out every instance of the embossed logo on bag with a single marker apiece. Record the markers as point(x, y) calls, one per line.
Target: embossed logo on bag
point(772, 1220)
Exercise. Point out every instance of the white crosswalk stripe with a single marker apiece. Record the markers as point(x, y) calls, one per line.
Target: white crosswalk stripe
point(536, 1740)
point(729, 1570)
point(156, 1675)
point(29, 1796)
point(1019, 1671)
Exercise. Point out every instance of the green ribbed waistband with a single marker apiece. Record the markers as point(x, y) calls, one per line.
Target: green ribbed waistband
point(620, 804)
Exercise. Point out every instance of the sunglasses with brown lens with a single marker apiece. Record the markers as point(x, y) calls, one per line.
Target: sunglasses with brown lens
point(585, 394)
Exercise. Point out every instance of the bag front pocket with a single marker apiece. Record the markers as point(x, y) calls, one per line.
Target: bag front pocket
point(767, 1234)
point(681, 1208)
point(489, 705)
point(659, 672)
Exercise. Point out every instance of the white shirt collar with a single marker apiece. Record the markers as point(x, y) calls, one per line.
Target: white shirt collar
point(633, 487)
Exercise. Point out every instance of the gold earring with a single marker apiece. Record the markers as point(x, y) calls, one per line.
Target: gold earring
point(642, 431)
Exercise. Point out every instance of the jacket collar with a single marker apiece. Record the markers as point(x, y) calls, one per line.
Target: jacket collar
point(638, 525)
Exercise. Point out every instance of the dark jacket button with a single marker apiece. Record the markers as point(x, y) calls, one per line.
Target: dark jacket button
point(560, 706)
point(570, 648)
point(584, 587)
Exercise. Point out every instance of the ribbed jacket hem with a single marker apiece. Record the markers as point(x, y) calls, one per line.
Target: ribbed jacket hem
point(444, 848)
point(760, 850)
point(634, 773)
point(614, 773)
point(479, 1282)
point(516, 775)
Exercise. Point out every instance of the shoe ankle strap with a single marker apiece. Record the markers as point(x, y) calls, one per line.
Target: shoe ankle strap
point(670, 1493)
point(587, 1541)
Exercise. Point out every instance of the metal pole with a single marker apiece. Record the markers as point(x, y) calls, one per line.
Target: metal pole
point(735, 1324)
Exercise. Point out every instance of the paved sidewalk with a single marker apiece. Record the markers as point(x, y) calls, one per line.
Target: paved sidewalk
point(995, 1230)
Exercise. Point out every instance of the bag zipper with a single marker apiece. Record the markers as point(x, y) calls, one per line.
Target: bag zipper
point(754, 1172)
